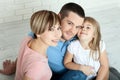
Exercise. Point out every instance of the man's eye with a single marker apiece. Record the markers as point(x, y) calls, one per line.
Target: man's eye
point(78, 27)
point(81, 27)
point(70, 23)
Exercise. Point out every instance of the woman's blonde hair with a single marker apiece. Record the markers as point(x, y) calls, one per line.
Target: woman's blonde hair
point(94, 44)
point(42, 20)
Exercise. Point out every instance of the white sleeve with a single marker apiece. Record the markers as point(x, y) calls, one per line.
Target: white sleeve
point(102, 46)
point(71, 48)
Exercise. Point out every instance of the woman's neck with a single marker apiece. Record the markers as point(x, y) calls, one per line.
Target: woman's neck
point(38, 46)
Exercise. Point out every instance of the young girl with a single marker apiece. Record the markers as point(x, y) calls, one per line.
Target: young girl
point(32, 62)
point(88, 52)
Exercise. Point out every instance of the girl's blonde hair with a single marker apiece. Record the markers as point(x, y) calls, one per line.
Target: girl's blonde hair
point(94, 44)
point(42, 20)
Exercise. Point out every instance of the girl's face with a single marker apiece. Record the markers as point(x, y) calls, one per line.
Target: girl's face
point(51, 36)
point(86, 32)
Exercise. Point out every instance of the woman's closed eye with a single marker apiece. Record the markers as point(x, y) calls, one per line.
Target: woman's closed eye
point(59, 28)
point(51, 29)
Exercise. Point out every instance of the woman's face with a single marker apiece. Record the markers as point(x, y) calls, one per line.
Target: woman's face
point(51, 36)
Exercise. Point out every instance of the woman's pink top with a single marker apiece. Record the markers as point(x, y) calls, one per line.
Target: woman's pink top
point(32, 64)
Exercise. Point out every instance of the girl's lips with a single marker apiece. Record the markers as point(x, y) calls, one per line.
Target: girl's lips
point(83, 33)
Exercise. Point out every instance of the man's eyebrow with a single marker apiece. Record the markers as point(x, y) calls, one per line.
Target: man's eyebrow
point(70, 21)
point(79, 26)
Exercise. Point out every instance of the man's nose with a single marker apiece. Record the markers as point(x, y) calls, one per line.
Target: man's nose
point(73, 29)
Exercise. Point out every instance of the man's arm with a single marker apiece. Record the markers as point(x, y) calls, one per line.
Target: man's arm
point(9, 67)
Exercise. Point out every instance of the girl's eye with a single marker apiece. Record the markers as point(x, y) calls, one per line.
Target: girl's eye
point(87, 27)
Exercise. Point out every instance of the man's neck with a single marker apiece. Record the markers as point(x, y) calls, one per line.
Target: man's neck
point(62, 39)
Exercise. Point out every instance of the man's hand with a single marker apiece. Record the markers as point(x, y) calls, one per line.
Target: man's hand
point(9, 67)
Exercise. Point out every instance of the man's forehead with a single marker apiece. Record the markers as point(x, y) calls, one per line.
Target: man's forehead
point(75, 21)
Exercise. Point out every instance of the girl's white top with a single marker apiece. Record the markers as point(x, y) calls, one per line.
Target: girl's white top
point(82, 56)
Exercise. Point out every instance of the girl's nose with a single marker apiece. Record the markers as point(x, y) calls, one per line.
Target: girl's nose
point(83, 28)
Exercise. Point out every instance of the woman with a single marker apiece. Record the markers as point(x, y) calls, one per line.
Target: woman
point(32, 62)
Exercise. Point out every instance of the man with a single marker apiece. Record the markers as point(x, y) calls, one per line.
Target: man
point(72, 16)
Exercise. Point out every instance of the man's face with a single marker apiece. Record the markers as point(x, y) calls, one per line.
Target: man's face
point(70, 25)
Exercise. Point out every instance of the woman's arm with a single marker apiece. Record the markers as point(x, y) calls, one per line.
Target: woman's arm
point(103, 72)
point(9, 67)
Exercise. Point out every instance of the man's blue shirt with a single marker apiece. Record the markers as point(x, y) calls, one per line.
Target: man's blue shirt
point(56, 56)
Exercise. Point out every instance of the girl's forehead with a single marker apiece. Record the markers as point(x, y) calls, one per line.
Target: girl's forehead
point(88, 23)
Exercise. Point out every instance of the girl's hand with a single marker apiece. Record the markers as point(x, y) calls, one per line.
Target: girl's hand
point(88, 70)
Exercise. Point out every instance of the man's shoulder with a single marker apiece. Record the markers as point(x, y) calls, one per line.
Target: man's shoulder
point(75, 42)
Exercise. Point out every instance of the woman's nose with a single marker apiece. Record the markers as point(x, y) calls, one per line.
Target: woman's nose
point(58, 33)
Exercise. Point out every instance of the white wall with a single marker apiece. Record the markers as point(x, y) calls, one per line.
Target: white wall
point(96, 5)
point(14, 10)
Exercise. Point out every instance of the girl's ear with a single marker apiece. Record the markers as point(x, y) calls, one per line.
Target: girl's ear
point(94, 35)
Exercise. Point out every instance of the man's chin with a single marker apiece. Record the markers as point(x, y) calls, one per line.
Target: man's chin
point(68, 38)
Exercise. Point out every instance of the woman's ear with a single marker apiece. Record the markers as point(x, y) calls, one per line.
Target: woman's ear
point(37, 35)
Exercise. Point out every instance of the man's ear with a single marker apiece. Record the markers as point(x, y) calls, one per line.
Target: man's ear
point(59, 15)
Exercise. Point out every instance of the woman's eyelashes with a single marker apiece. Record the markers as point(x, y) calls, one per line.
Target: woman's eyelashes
point(53, 28)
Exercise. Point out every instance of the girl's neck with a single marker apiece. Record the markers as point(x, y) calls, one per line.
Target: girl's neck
point(84, 44)
point(38, 46)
